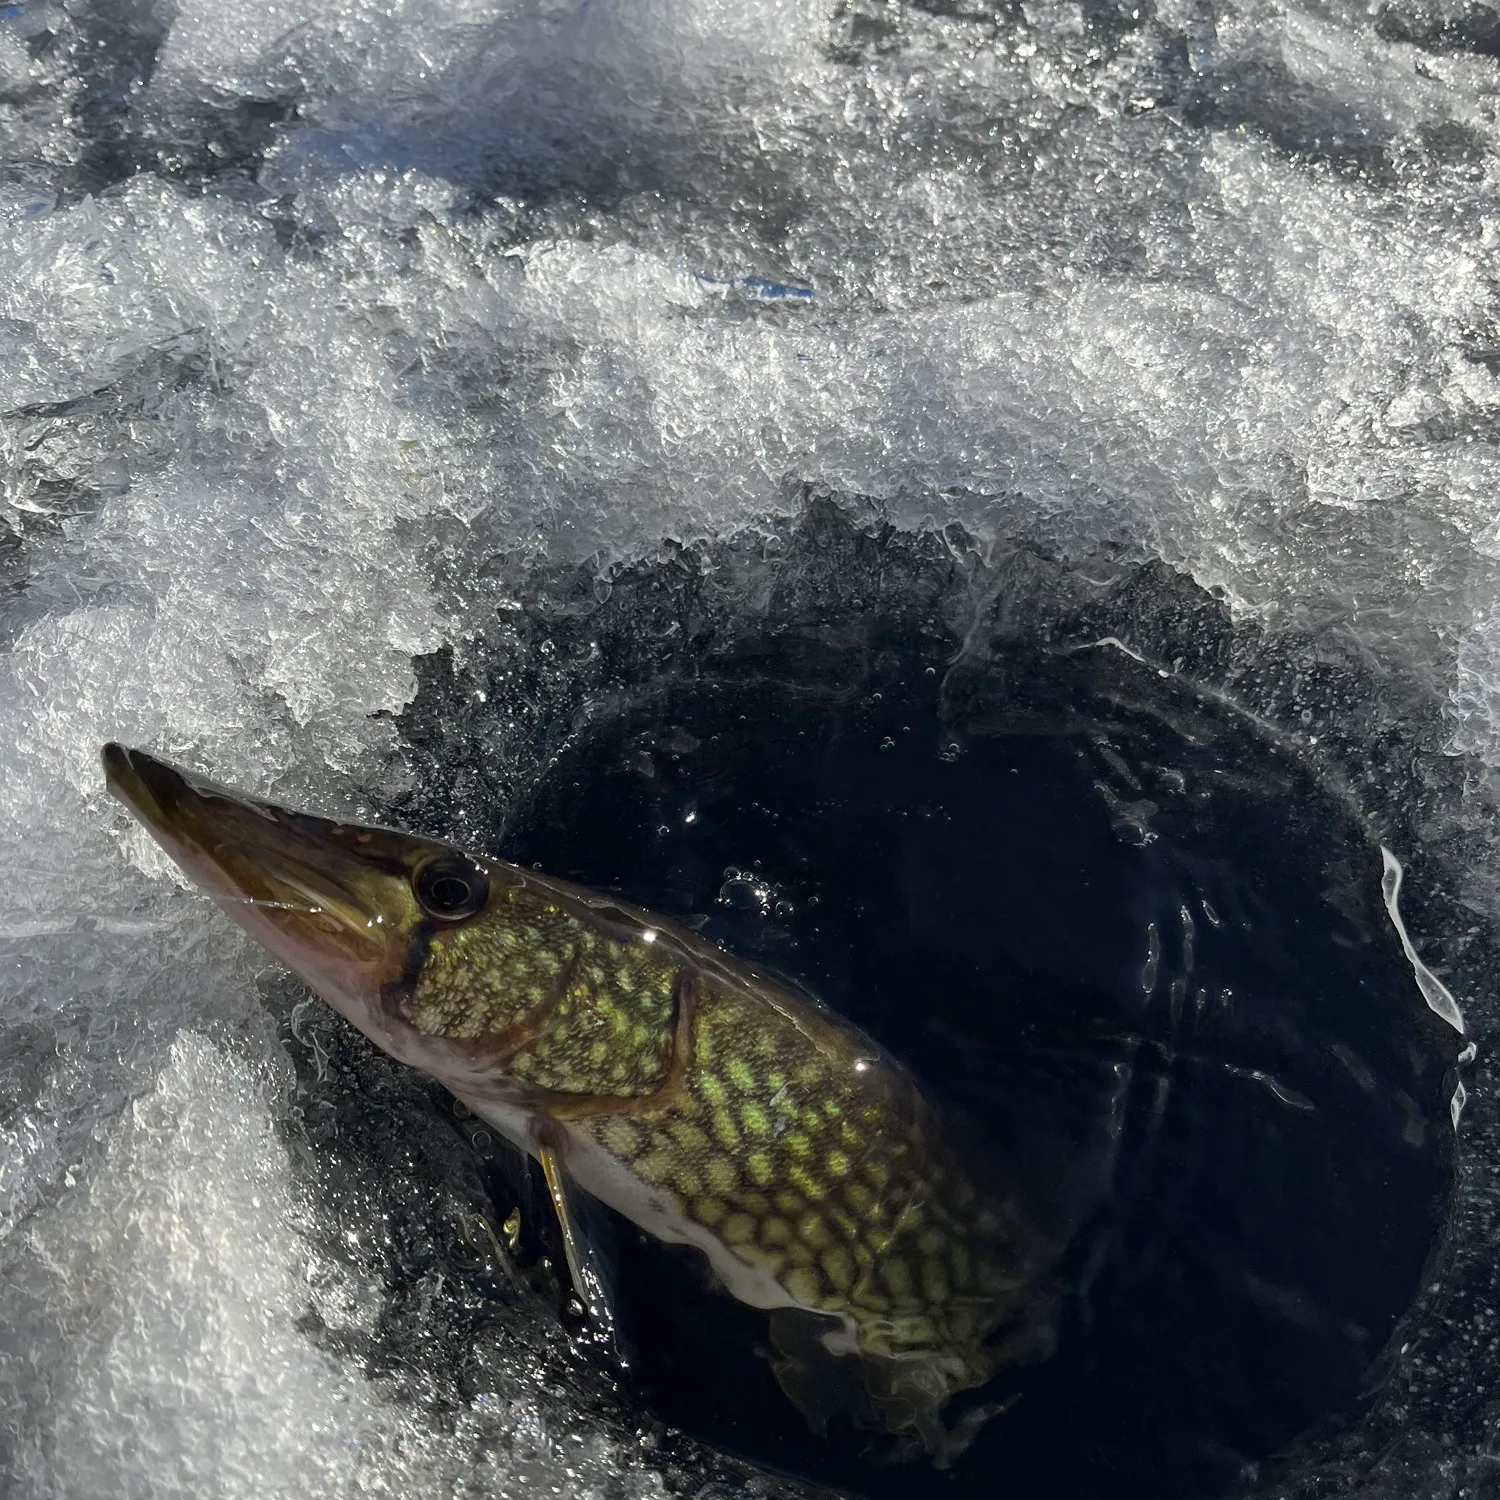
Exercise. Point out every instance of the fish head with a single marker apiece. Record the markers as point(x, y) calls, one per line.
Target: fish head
point(434, 954)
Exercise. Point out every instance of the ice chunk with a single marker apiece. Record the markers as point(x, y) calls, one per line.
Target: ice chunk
point(177, 1290)
point(319, 324)
point(1437, 995)
point(175, 1282)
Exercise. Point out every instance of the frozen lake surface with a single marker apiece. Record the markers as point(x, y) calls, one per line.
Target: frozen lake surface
point(348, 350)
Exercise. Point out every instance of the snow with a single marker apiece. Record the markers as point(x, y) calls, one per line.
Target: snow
point(306, 308)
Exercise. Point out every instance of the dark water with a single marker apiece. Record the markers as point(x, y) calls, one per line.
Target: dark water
point(1131, 940)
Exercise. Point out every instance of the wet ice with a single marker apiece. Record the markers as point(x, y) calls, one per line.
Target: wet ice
point(305, 309)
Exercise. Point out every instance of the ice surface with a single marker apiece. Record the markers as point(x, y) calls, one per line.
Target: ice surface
point(318, 322)
point(180, 1285)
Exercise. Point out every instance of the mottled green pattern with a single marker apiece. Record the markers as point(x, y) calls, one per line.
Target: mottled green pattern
point(714, 1104)
point(483, 976)
point(770, 1124)
point(818, 1163)
point(597, 1012)
point(612, 1030)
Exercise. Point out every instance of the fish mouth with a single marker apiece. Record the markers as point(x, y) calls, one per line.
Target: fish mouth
point(332, 900)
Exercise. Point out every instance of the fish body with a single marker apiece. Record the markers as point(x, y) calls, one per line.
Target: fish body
point(710, 1103)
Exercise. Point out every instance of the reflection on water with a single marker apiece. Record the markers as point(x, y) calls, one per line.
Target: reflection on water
point(1125, 936)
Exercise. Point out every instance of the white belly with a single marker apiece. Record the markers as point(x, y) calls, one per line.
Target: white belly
point(606, 1178)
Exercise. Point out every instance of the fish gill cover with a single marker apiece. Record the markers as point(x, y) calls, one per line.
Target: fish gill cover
point(331, 333)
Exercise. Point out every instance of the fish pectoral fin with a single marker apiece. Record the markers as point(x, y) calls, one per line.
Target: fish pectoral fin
point(585, 1263)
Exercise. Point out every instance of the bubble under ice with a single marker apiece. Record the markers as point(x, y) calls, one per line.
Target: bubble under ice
point(307, 307)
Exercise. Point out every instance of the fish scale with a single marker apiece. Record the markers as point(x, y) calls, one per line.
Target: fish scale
point(711, 1103)
point(788, 1138)
point(836, 1181)
point(607, 1022)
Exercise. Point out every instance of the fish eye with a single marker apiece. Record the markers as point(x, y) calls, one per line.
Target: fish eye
point(450, 887)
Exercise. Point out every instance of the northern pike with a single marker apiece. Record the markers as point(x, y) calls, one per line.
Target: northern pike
point(709, 1102)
